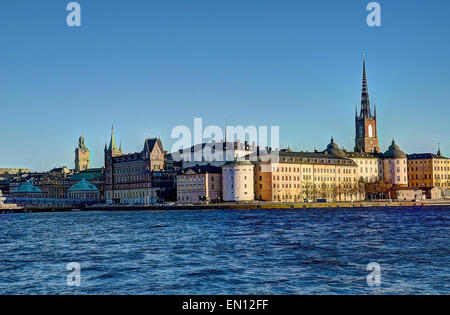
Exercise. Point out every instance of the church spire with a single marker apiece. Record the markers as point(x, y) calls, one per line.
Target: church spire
point(365, 101)
point(112, 143)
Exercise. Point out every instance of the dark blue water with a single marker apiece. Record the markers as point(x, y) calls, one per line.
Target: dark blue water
point(227, 252)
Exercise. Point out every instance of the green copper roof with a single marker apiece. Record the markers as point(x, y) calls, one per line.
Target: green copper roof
point(94, 174)
point(83, 185)
point(394, 152)
point(27, 188)
point(112, 143)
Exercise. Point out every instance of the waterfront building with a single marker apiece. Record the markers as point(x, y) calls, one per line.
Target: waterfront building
point(366, 123)
point(95, 176)
point(55, 183)
point(237, 181)
point(434, 193)
point(137, 178)
point(27, 191)
point(85, 192)
point(395, 166)
point(407, 194)
point(214, 153)
point(426, 170)
point(81, 155)
point(370, 166)
point(22, 178)
point(299, 176)
point(199, 184)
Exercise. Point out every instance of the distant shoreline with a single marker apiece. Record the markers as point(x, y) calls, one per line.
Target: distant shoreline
point(230, 206)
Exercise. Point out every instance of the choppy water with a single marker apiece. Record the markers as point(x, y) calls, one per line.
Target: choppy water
point(227, 252)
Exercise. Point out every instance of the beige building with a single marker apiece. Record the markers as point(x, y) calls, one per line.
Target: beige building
point(300, 176)
point(409, 194)
point(200, 184)
point(370, 166)
point(237, 181)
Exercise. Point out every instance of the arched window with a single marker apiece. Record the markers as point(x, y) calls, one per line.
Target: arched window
point(370, 131)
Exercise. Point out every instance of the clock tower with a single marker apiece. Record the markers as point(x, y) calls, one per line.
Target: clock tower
point(81, 155)
point(366, 123)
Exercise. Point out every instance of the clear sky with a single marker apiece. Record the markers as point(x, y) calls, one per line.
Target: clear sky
point(147, 66)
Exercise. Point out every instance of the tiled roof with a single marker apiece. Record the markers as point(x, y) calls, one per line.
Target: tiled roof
point(303, 158)
point(205, 169)
point(421, 156)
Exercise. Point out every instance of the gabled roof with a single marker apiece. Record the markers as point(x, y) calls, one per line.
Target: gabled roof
point(151, 143)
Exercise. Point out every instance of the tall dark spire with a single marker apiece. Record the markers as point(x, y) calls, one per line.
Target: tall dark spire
point(365, 101)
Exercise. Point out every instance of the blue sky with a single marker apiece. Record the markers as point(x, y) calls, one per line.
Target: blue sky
point(147, 66)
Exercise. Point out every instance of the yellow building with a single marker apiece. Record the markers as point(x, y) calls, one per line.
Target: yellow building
point(428, 170)
point(299, 176)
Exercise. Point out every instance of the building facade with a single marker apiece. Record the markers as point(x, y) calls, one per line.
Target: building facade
point(306, 176)
point(81, 155)
point(214, 153)
point(27, 191)
point(136, 178)
point(237, 181)
point(395, 166)
point(95, 176)
point(85, 192)
point(428, 170)
point(370, 166)
point(200, 184)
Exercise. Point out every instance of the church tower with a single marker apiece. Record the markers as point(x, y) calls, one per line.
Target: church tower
point(366, 122)
point(110, 153)
point(81, 155)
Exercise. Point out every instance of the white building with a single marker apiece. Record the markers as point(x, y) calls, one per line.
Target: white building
point(213, 153)
point(395, 166)
point(237, 181)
